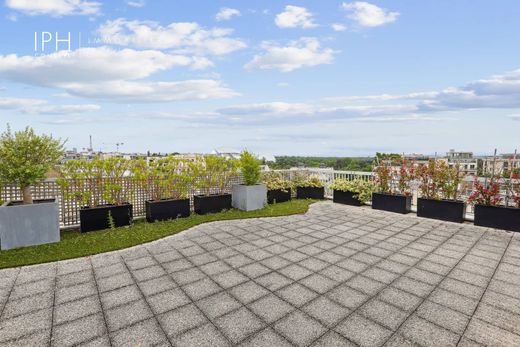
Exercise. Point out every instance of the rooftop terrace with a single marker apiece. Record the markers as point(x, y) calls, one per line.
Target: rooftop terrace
point(336, 276)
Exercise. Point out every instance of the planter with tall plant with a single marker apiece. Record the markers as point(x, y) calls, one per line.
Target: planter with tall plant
point(490, 208)
point(251, 195)
point(393, 192)
point(166, 182)
point(309, 186)
point(278, 189)
point(354, 192)
point(439, 192)
point(25, 160)
point(214, 175)
point(102, 190)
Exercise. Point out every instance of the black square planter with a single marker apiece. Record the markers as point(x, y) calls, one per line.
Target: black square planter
point(278, 195)
point(166, 209)
point(204, 204)
point(310, 193)
point(499, 217)
point(392, 203)
point(98, 218)
point(346, 198)
point(446, 210)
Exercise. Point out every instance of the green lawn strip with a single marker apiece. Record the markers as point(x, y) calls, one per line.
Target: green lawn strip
point(74, 244)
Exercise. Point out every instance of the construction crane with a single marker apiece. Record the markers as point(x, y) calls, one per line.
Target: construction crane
point(117, 144)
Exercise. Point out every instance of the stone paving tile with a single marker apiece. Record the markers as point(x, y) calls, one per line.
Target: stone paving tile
point(428, 334)
point(167, 300)
point(490, 335)
point(28, 304)
point(270, 308)
point(337, 276)
point(182, 319)
point(206, 335)
point(363, 331)
point(239, 324)
point(123, 316)
point(26, 324)
point(146, 333)
point(76, 309)
point(78, 331)
point(299, 328)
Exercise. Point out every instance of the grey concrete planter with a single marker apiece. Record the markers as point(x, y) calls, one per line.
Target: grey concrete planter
point(249, 198)
point(29, 225)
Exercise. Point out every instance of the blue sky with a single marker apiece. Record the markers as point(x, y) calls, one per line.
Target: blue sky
point(342, 78)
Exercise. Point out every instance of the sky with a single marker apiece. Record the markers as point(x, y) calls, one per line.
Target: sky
point(330, 78)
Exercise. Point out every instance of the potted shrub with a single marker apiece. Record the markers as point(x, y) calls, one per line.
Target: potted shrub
point(356, 192)
point(25, 159)
point(100, 188)
point(388, 196)
point(488, 207)
point(309, 187)
point(166, 181)
point(252, 195)
point(439, 188)
point(278, 189)
point(214, 175)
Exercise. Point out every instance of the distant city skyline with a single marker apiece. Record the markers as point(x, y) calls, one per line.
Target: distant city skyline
point(313, 78)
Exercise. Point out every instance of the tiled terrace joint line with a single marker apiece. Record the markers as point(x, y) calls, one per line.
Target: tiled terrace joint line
point(338, 274)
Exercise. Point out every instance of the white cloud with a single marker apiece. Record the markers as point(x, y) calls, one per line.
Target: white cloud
point(183, 37)
point(92, 73)
point(55, 8)
point(369, 15)
point(297, 54)
point(338, 27)
point(515, 117)
point(39, 106)
point(87, 65)
point(143, 91)
point(136, 3)
point(295, 16)
point(226, 13)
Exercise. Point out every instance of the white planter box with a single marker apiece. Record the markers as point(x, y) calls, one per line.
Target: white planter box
point(29, 225)
point(249, 198)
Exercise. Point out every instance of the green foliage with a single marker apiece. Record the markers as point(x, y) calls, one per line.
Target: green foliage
point(439, 181)
point(111, 222)
point(391, 180)
point(250, 168)
point(383, 177)
point(95, 182)
point(362, 188)
point(75, 244)
point(214, 173)
point(307, 181)
point(338, 163)
point(274, 181)
point(163, 178)
point(25, 157)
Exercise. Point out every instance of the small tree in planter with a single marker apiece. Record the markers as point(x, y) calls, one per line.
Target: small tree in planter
point(309, 187)
point(167, 182)
point(355, 192)
point(252, 195)
point(213, 177)
point(278, 189)
point(489, 208)
point(25, 159)
point(388, 196)
point(439, 189)
point(102, 190)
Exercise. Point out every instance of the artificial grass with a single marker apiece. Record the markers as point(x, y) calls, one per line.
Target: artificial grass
point(74, 244)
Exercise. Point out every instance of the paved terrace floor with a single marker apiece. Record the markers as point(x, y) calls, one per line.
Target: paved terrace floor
point(337, 276)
